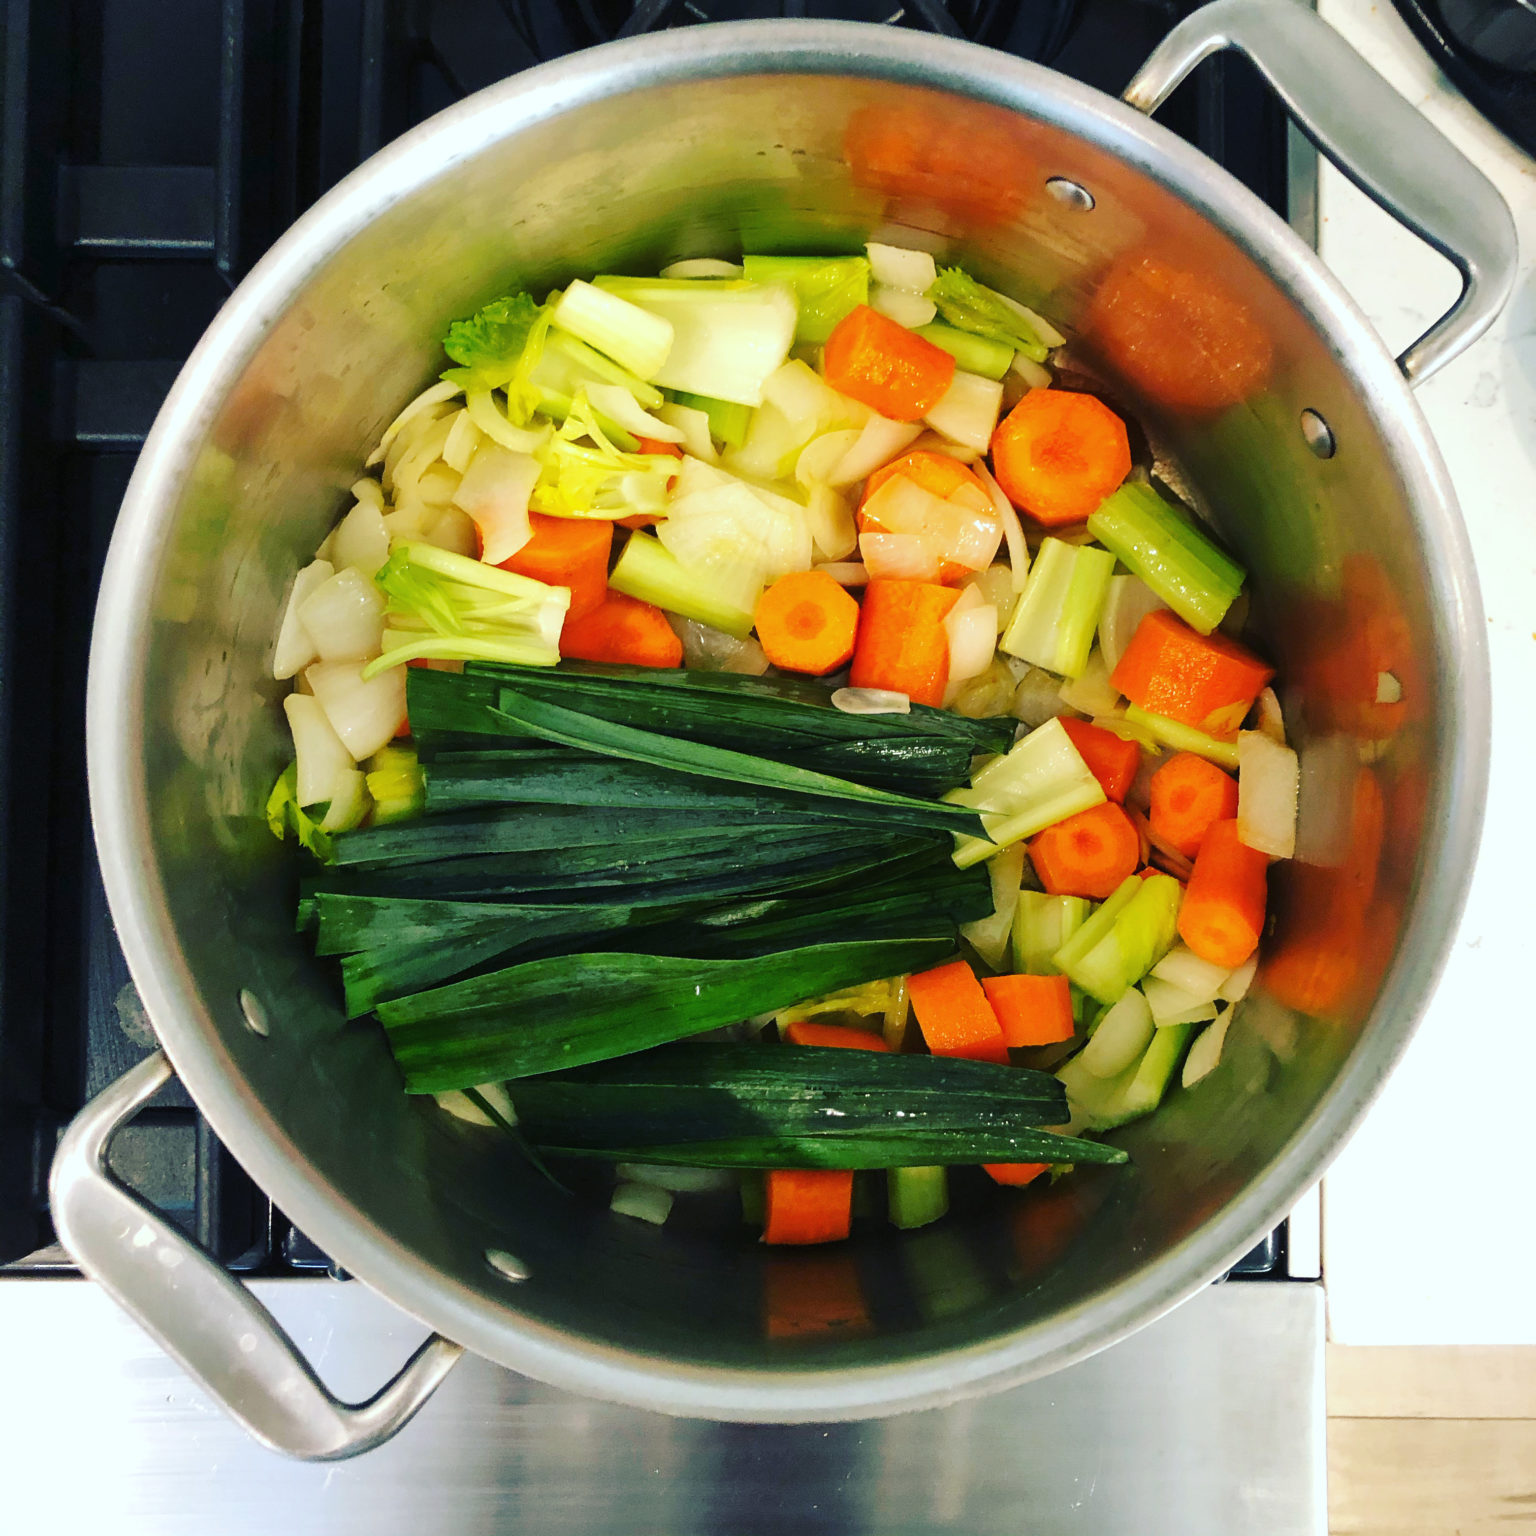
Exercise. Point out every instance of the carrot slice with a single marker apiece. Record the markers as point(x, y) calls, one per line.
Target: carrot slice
point(622, 630)
point(954, 1015)
point(1179, 336)
point(1015, 1173)
point(1222, 914)
point(1111, 759)
point(808, 1205)
point(656, 445)
point(1090, 854)
point(1058, 455)
point(567, 552)
point(936, 473)
point(804, 1032)
point(1207, 681)
point(883, 365)
point(806, 622)
point(1188, 794)
point(1033, 1010)
point(902, 643)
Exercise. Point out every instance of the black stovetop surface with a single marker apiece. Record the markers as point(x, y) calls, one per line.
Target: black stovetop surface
point(149, 153)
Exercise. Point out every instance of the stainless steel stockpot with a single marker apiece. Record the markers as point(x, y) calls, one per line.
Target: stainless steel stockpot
point(1258, 381)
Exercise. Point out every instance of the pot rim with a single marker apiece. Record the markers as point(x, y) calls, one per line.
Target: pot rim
point(120, 801)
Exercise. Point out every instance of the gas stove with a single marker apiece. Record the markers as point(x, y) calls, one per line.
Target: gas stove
point(148, 155)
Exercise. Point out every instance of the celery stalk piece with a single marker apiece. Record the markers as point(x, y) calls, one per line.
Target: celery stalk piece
point(648, 571)
point(916, 1196)
point(970, 306)
point(634, 337)
point(1097, 1103)
point(976, 354)
point(396, 785)
point(727, 337)
point(1184, 738)
point(1125, 938)
point(445, 606)
point(826, 287)
point(1040, 780)
point(569, 364)
point(1041, 925)
point(728, 421)
point(1057, 613)
point(1156, 1068)
point(1171, 554)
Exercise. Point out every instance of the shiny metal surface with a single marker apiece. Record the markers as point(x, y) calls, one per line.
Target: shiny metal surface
point(210, 1323)
point(1384, 145)
point(1209, 1423)
point(779, 135)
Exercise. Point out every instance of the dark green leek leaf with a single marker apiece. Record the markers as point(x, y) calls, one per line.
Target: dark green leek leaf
point(798, 1107)
point(573, 1009)
point(553, 722)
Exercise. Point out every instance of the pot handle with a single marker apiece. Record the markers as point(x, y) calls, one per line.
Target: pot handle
point(198, 1312)
point(1374, 136)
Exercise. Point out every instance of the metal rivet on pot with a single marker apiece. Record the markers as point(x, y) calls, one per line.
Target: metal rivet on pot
point(255, 1014)
point(1318, 434)
point(1071, 193)
point(506, 1265)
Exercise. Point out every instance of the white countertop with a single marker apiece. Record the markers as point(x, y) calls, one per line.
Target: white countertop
point(1423, 1248)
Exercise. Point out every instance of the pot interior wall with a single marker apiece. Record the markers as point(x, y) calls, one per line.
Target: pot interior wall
point(1344, 591)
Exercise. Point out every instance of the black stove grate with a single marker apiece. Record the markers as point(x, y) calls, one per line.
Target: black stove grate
point(148, 155)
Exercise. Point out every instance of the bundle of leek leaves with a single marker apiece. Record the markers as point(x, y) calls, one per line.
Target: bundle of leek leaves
point(603, 861)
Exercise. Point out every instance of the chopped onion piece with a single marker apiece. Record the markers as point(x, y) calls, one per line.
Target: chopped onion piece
point(1034, 375)
point(488, 417)
point(701, 266)
point(1092, 693)
point(878, 443)
point(349, 799)
point(295, 649)
point(1266, 715)
point(1038, 323)
point(454, 531)
point(712, 650)
point(820, 458)
point(834, 535)
point(989, 936)
point(644, 1201)
point(369, 490)
point(344, 616)
point(1129, 601)
point(1038, 698)
point(1268, 778)
point(682, 1181)
point(904, 307)
point(805, 397)
point(360, 541)
point(968, 411)
point(871, 701)
point(995, 586)
point(846, 573)
point(494, 492)
point(1013, 529)
point(365, 714)
point(972, 643)
point(694, 427)
point(957, 529)
point(1205, 1054)
point(1388, 689)
point(1173, 1005)
point(1235, 988)
point(618, 405)
point(433, 394)
point(319, 754)
point(1183, 968)
point(899, 267)
point(1121, 1037)
point(898, 557)
point(463, 438)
